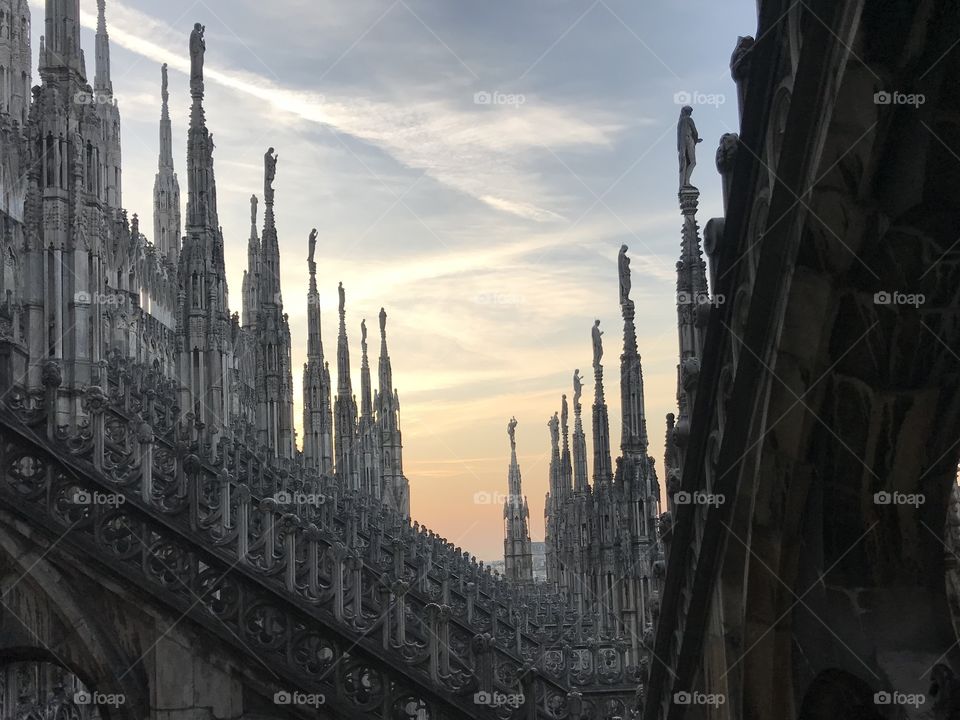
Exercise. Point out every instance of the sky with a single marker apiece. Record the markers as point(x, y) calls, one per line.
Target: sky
point(473, 168)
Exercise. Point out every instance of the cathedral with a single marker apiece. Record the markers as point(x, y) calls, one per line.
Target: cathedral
point(83, 285)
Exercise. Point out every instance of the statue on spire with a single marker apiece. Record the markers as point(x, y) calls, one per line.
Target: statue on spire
point(383, 322)
point(554, 425)
point(363, 337)
point(577, 387)
point(624, 264)
point(687, 140)
point(512, 432)
point(253, 209)
point(198, 46)
point(597, 345)
point(313, 249)
point(164, 85)
point(343, 300)
point(269, 174)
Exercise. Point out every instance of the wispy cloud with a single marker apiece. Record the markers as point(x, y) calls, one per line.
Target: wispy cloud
point(479, 150)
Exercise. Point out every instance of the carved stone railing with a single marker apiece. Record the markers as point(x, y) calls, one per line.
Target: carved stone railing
point(385, 618)
point(529, 623)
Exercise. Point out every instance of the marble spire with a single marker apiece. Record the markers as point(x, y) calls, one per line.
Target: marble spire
point(633, 441)
point(345, 408)
point(166, 186)
point(396, 486)
point(370, 461)
point(205, 316)
point(517, 553)
point(102, 82)
point(60, 47)
point(602, 474)
point(317, 406)
point(581, 484)
point(566, 466)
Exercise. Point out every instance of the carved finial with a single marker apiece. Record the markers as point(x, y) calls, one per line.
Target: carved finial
point(198, 48)
point(164, 83)
point(269, 173)
point(101, 16)
point(687, 140)
point(623, 263)
point(313, 250)
point(597, 345)
point(554, 425)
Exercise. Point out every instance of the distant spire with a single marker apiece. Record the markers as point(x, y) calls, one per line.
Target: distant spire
point(61, 44)
point(386, 371)
point(366, 401)
point(166, 188)
point(202, 217)
point(166, 131)
point(517, 554)
point(601, 422)
point(566, 467)
point(580, 484)
point(633, 439)
point(314, 336)
point(102, 83)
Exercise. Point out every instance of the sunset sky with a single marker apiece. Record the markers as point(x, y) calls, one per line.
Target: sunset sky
point(488, 230)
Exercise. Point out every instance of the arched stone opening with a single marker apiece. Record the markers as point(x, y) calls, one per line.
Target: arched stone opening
point(34, 685)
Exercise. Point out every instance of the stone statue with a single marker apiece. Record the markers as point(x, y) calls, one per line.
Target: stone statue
point(313, 247)
point(512, 432)
point(577, 388)
point(554, 425)
point(253, 209)
point(597, 344)
point(624, 264)
point(383, 322)
point(343, 299)
point(198, 46)
point(739, 59)
point(687, 140)
point(269, 173)
point(363, 337)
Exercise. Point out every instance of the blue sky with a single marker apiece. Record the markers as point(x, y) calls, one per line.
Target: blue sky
point(488, 231)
